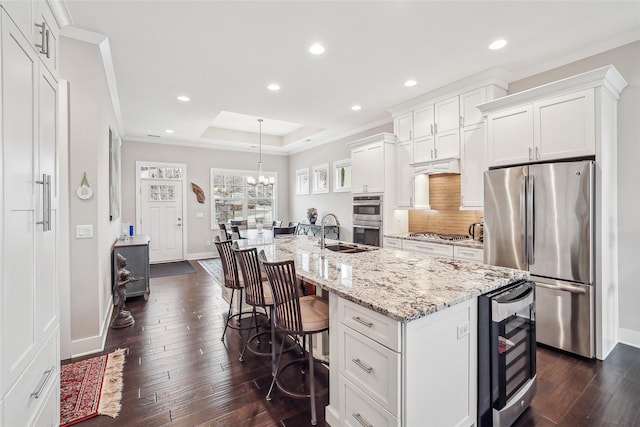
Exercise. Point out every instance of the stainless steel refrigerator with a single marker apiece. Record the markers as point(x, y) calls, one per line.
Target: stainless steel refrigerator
point(541, 218)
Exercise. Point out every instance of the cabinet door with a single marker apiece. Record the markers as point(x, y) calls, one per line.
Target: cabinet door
point(358, 169)
point(510, 136)
point(447, 115)
point(48, 53)
point(21, 13)
point(19, 76)
point(404, 174)
point(46, 241)
point(473, 163)
point(374, 168)
point(469, 114)
point(403, 126)
point(565, 126)
point(423, 149)
point(447, 144)
point(423, 122)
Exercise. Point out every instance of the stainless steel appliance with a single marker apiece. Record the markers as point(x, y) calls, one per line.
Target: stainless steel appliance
point(506, 353)
point(540, 218)
point(476, 231)
point(367, 220)
point(430, 235)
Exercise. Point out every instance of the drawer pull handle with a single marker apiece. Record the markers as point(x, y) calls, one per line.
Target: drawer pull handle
point(364, 322)
point(361, 420)
point(43, 382)
point(365, 367)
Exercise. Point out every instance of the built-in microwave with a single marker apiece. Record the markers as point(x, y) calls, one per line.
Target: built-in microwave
point(367, 209)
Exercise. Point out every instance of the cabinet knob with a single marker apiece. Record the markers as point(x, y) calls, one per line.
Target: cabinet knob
point(530, 154)
point(537, 153)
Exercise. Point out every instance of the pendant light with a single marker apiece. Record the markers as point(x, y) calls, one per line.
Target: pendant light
point(260, 179)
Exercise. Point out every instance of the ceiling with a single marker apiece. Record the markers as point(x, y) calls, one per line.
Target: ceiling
point(223, 54)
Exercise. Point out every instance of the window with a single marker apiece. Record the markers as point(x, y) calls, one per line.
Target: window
point(233, 198)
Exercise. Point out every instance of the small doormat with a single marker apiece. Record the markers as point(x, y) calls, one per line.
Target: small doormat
point(171, 269)
point(91, 387)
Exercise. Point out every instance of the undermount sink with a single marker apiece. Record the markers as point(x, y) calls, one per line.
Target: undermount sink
point(348, 249)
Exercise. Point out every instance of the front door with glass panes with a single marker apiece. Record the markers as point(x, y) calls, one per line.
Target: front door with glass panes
point(161, 208)
point(235, 198)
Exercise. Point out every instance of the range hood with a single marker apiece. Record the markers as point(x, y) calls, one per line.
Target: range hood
point(438, 166)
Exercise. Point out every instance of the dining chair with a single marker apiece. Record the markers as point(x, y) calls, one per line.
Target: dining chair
point(295, 315)
point(284, 230)
point(276, 223)
point(294, 224)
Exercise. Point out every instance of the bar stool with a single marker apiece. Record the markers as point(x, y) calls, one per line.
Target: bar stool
point(297, 315)
point(231, 280)
point(257, 294)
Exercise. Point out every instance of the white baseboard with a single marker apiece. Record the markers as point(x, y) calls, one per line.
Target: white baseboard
point(96, 343)
point(202, 255)
point(629, 337)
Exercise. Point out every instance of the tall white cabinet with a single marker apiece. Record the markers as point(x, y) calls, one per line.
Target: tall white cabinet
point(29, 314)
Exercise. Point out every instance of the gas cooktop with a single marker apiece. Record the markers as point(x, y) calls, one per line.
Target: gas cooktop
point(440, 236)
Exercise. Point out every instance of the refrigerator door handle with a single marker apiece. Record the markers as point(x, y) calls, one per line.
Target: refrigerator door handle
point(523, 218)
point(531, 222)
point(563, 287)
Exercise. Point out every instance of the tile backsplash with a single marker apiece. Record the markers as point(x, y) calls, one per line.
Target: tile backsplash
point(444, 216)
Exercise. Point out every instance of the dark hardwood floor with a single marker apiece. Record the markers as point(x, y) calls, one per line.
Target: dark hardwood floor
point(179, 373)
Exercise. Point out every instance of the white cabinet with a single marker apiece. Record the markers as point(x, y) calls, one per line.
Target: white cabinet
point(436, 131)
point(404, 174)
point(468, 254)
point(372, 164)
point(550, 129)
point(29, 292)
point(403, 127)
point(392, 243)
point(473, 163)
point(388, 373)
point(434, 249)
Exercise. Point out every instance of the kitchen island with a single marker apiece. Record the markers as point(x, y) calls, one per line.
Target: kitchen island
point(403, 329)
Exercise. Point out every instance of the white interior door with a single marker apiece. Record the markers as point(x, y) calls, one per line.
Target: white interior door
point(161, 209)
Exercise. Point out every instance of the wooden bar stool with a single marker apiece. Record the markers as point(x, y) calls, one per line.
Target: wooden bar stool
point(231, 280)
point(297, 315)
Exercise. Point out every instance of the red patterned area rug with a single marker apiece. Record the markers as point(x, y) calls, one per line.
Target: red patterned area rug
point(91, 387)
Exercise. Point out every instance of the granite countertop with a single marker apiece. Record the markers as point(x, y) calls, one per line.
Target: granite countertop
point(401, 285)
point(469, 243)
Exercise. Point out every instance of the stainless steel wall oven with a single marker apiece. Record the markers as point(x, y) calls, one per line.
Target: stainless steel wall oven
point(506, 353)
point(367, 220)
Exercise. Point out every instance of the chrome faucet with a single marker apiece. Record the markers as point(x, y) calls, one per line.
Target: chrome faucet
point(322, 227)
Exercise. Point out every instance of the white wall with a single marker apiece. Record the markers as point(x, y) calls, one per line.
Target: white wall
point(337, 203)
point(91, 116)
point(199, 162)
point(626, 61)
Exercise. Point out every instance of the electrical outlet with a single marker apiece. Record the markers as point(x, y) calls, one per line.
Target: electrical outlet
point(208, 242)
point(463, 330)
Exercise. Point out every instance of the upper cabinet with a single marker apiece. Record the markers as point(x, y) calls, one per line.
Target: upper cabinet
point(372, 162)
point(37, 22)
point(554, 128)
point(441, 130)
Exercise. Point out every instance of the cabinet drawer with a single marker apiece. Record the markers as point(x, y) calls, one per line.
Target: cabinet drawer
point(360, 410)
point(372, 367)
point(50, 414)
point(468, 254)
point(42, 374)
point(390, 242)
point(376, 326)
point(434, 249)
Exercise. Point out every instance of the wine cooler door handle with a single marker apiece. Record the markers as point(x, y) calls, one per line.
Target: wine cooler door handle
point(501, 311)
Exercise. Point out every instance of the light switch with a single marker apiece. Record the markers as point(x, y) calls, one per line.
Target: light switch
point(199, 214)
point(84, 231)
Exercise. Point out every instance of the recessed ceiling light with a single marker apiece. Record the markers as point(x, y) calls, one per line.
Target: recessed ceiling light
point(316, 49)
point(410, 83)
point(169, 131)
point(183, 98)
point(273, 87)
point(356, 107)
point(498, 44)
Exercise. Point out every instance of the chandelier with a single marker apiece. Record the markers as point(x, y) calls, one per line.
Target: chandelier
point(260, 179)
